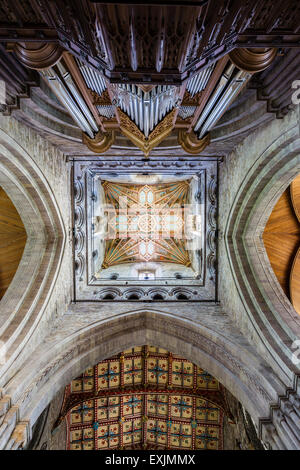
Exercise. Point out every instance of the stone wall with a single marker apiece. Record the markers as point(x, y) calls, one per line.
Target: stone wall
point(44, 436)
point(239, 430)
point(49, 168)
point(248, 157)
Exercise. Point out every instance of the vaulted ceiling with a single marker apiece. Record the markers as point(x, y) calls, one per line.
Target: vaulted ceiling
point(12, 241)
point(282, 241)
point(147, 223)
point(144, 398)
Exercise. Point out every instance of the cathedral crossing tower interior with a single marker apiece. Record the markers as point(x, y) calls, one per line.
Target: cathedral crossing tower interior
point(149, 226)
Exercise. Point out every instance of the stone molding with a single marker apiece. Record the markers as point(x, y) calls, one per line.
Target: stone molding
point(269, 314)
point(84, 340)
point(28, 295)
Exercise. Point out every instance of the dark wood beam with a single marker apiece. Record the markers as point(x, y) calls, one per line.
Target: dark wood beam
point(172, 3)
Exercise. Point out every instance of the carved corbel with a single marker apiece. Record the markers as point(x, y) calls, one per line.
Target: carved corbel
point(253, 60)
point(101, 142)
point(36, 55)
point(190, 143)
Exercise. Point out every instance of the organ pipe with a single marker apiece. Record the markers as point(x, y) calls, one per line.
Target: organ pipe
point(146, 109)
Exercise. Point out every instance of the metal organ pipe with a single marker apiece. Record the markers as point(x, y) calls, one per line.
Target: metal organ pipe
point(107, 111)
point(92, 78)
point(141, 120)
point(232, 90)
point(78, 97)
point(214, 98)
point(156, 107)
point(61, 90)
point(151, 110)
point(136, 109)
point(199, 81)
point(146, 114)
point(131, 104)
point(146, 109)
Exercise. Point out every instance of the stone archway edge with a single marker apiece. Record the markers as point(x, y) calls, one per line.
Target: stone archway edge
point(234, 364)
point(271, 315)
point(22, 314)
point(271, 162)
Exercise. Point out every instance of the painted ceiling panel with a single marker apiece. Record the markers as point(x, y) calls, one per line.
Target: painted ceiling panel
point(144, 398)
point(147, 223)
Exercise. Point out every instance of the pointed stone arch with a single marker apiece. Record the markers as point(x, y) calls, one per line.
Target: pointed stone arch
point(259, 170)
point(268, 310)
point(59, 360)
point(24, 304)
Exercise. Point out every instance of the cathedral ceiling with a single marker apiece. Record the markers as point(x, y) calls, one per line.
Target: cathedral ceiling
point(282, 241)
point(145, 241)
point(144, 398)
point(143, 72)
point(148, 223)
point(12, 241)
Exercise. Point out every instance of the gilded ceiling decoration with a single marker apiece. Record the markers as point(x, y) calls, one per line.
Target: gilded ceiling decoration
point(129, 214)
point(144, 398)
point(147, 223)
point(164, 195)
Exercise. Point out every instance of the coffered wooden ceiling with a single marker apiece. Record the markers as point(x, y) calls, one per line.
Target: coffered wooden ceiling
point(143, 70)
point(144, 398)
point(162, 42)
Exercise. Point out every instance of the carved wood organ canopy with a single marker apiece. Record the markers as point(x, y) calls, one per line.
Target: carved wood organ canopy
point(144, 398)
point(147, 70)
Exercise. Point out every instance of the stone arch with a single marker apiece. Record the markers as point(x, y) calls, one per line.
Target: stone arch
point(22, 318)
point(234, 364)
point(269, 313)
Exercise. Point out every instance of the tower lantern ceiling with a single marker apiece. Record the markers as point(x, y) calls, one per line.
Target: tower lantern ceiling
point(146, 223)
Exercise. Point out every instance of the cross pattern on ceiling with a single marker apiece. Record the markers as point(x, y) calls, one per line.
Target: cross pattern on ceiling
point(144, 398)
point(130, 278)
point(147, 223)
